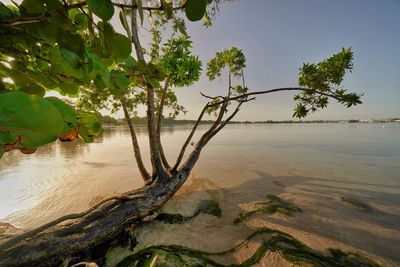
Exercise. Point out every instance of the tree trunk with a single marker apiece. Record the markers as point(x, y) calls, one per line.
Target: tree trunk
point(79, 239)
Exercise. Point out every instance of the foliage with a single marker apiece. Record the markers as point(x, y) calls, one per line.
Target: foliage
point(323, 77)
point(52, 45)
point(233, 59)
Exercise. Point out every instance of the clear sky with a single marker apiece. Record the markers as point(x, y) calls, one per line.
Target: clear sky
point(277, 36)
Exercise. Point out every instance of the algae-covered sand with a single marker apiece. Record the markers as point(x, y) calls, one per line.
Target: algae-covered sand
point(318, 229)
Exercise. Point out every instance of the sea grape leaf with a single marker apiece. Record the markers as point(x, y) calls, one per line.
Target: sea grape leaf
point(31, 7)
point(89, 126)
point(67, 113)
point(195, 9)
point(104, 9)
point(109, 37)
point(33, 89)
point(122, 46)
point(30, 119)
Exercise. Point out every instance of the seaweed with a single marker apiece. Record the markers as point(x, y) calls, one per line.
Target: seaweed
point(286, 245)
point(357, 203)
point(205, 206)
point(274, 205)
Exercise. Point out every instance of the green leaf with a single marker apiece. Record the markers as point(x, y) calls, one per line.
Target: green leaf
point(153, 82)
point(1, 151)
point(81, 21)
point(31, 7)
point(89, 126)
point(122, 46)
point(109, 37)
point(124, 22)
point(48, 31)
point(121, 81)
point(104, 9)
point(67, 113)
point(30, 119)
point(34, 89)
point(195, 9)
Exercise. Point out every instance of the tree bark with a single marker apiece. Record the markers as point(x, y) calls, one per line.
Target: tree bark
point(159, 120)
point(153, 143)
point(136, 149)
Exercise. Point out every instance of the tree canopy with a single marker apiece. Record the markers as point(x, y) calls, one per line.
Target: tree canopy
point(70, 47)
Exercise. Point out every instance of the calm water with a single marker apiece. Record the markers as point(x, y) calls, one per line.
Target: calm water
point(313, 161)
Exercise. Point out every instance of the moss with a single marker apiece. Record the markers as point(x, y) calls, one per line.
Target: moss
point(205, 206)
point(274, 205)
point(357, 203)
point(286, 245)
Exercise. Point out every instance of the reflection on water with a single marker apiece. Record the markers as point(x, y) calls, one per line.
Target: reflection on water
point(313, 164)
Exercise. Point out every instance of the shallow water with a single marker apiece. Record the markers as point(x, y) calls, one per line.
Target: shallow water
point(312, 165)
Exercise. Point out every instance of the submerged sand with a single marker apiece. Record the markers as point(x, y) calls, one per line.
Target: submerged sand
point(326, 221)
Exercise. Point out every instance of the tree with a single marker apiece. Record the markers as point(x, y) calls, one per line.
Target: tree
point(70, 47)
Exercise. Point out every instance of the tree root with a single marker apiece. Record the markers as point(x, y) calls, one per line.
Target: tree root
point(275, 241)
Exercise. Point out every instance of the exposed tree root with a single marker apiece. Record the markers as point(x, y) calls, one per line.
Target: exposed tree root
point(79, 236)
point(275, 241)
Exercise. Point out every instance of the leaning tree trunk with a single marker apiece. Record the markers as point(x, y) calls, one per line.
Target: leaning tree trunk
point(79, 238)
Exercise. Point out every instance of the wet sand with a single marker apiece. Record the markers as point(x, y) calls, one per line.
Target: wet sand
point(326, 220)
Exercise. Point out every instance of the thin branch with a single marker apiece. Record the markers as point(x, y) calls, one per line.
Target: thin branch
point(183, 149)
point(90, 18)
point(136, 148)
point(21, 20)
point(243, 96)
point(148, 8)
point(229, 83)
point(203, 139)
point(159, 120)
point(61, 10)
point(211, 97)
point(227, 120)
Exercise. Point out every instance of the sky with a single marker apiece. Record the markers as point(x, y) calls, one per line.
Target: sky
point(278, 36)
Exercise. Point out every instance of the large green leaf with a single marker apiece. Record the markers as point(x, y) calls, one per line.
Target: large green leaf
point(104, 9)
point(122, 46)
point(67, 113)
point(195, 9)
point(30, 120)
point(109, 37)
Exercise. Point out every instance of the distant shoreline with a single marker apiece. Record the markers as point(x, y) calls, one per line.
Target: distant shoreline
point(171, 122)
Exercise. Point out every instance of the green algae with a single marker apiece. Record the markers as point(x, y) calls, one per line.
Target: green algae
point(286, 245)
point(357, 203)
point(205, 206)
point(273, 240)
point(274, 205)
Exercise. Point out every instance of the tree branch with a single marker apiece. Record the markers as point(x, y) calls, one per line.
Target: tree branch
point(154, 148)
point(243, 96)
point(21, 20)
point(159, 120)
point(183, 149)
point(136, 148)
